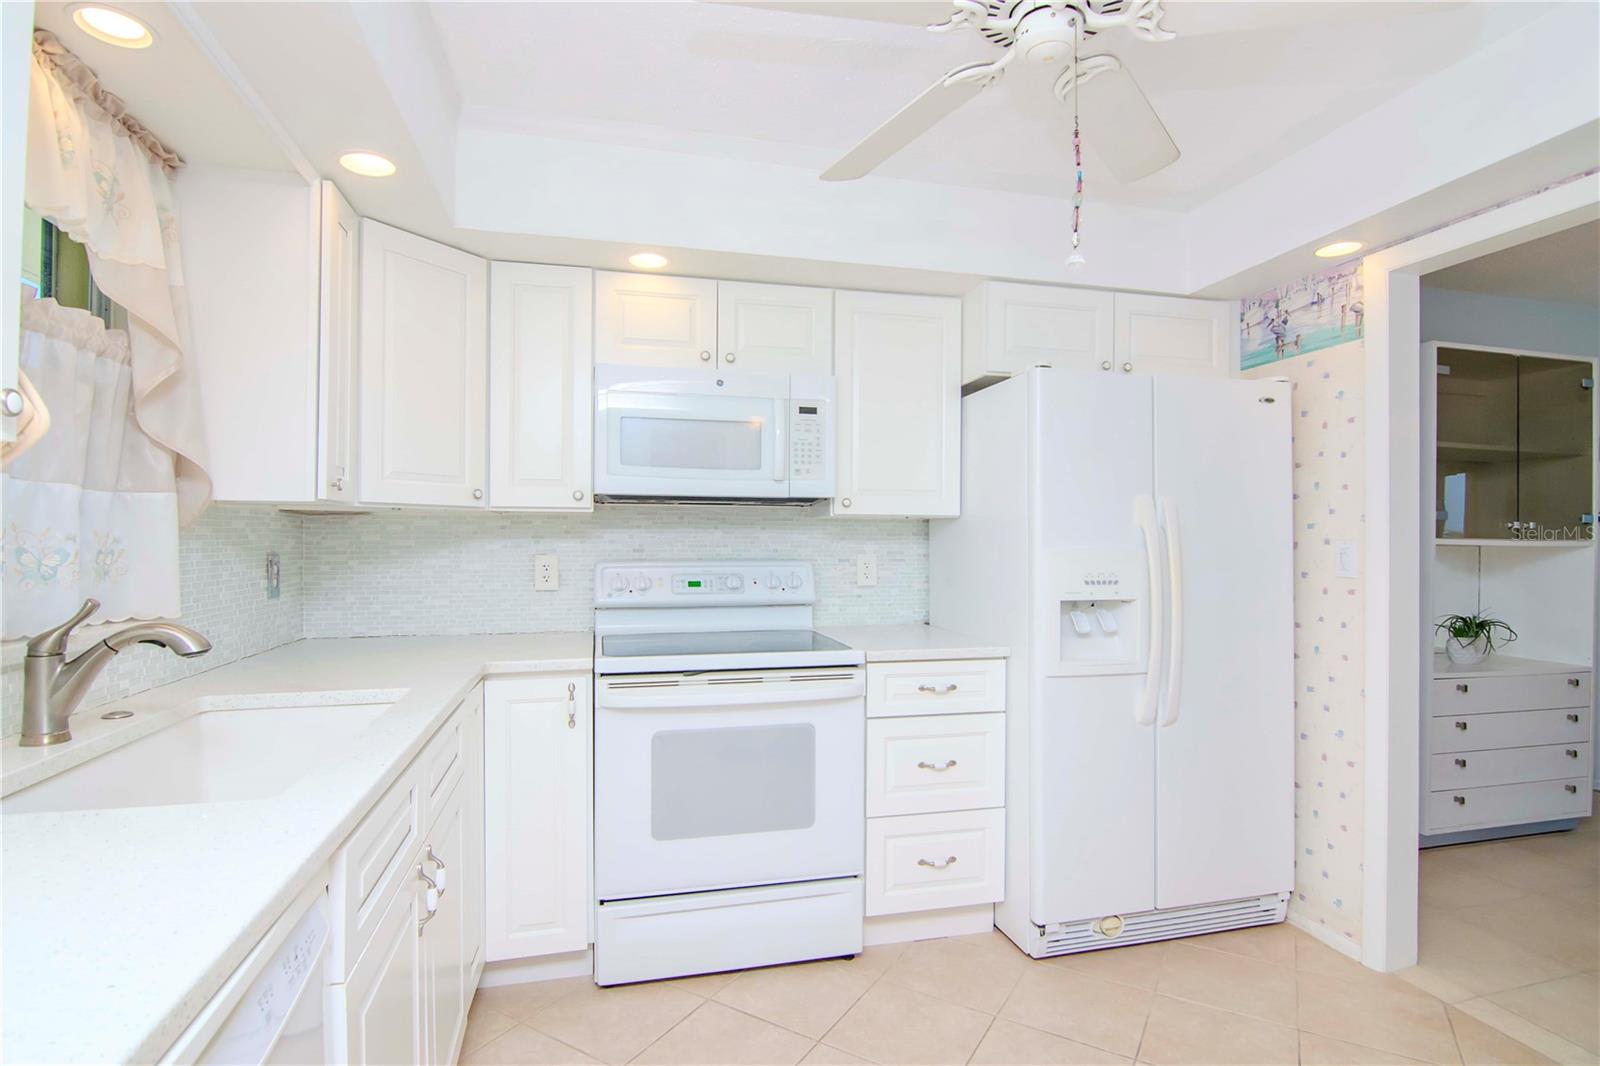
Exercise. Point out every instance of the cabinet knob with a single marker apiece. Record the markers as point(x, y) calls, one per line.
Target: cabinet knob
point(1571, 788)
point(477, 494)
point(1572, 718)
point(1574, 682)
point(1106, 365)
point(1463, 688)
point(845, 502)
point(705, 357)
point(728, 358)
point(1460, 801)
point(1461, 726)
point(1461, 763)
point(338, 484)
point(11, 402)
point(1572, 753)
point(1127, 368)
point(577, 494)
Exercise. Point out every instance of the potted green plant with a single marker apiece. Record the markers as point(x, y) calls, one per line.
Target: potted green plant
point(1468, 638)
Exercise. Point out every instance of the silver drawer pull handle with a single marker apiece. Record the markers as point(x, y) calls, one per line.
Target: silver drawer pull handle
point(440, 872)
point(1572, 753)
point(1574, 682)
point(934, 864)
point(572, 705)
point(1572, 718)
point(936, 690)
point(1461, 801)
point(1572, 788)
point(1461, 763)
point(423, 874)
point(1461, 726)
point(936, 769)
point(1463, 687)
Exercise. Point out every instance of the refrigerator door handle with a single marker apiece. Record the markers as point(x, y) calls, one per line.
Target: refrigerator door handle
point(1174, 688)
point(1144, 516)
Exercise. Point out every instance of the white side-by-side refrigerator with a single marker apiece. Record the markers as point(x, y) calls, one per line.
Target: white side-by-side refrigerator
point(1130, 538)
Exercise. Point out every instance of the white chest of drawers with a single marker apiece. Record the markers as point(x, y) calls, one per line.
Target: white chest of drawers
point(1506, 743)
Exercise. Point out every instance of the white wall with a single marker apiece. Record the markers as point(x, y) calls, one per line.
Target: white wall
point(1510, 321)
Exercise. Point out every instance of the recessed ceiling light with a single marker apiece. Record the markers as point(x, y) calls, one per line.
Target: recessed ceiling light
point(367, 164)
point(1338, 248)
point(648, 260)
point(112, 26)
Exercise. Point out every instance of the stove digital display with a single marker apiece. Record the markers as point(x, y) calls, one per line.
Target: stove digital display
point(692, 583)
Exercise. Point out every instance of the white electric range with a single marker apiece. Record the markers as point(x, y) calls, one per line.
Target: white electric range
point(729, 751)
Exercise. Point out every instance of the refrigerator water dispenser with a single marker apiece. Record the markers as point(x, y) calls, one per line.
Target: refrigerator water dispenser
point(1098, 602)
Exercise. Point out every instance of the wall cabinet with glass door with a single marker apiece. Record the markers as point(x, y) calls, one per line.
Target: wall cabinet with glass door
point(1514, 445)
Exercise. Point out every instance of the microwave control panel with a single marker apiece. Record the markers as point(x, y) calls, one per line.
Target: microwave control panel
point(807, 441)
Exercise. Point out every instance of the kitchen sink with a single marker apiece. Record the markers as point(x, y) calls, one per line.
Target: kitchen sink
point(214, 756)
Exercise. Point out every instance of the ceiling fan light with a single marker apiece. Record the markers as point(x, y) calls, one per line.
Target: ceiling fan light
point(112, 26)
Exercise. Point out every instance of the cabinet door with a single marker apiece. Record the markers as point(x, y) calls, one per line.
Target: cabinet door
point(898, 361)
point(1555, 448)
point(536, 817)
point(1172, 335)
point(1008, 328)
point(655, 321)
point(336, 362)
point(541, 404)
point(382, 1006)
point(446, 942)
point(423, 370)
point(470, 876)
point(1475, 455)
point(774, 329)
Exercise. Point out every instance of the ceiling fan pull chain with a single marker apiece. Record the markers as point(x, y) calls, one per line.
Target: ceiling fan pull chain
point(1076, 258)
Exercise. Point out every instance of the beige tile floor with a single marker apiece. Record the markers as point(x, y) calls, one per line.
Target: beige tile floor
point(1268, 995)
point(1509, 933)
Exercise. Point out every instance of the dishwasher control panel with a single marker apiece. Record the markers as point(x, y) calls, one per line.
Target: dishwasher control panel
point(710, 584)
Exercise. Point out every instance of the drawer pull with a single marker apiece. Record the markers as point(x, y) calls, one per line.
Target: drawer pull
point(1572, 718)
point(1572, 788)
point(1463, 687)
point(1572, 753)
point(1461, 763)
point(934, 864)
point(572, 705)
point(1574, 682)
point(937, 691)
point(1461, 726)
point(1461, 801)
point(951, 762)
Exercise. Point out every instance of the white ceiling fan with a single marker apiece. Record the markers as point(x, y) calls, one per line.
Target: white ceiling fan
point(1130, 138)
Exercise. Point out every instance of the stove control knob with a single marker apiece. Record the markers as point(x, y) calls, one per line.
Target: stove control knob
point(644, 582)
point(733, 582)
point(795, 579)
point(774, 581)
point(617, 584)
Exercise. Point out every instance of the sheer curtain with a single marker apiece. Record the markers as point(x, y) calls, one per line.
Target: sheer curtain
point(93, 507)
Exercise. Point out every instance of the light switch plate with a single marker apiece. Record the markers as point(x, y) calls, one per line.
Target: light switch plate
point(866, 570)
point(1346, 558)
point(546, 573)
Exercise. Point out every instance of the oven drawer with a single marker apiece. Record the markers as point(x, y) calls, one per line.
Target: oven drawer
point(1507, 766)
point(1537, 801)
point(960, 686)
point(1509, 729)
point(1478, 695)
point(922, 862)
point(944, 762)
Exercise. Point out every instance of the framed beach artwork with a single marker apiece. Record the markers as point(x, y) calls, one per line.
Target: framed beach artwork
point(1304, 315)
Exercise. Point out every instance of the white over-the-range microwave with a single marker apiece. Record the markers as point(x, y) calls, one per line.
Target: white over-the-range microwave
point(708, 435)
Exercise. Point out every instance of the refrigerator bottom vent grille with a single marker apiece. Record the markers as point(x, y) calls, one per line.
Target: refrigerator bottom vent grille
point(1069, 937)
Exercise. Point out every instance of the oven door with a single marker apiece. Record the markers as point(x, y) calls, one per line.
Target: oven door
point(690, 433)
point(727, 780)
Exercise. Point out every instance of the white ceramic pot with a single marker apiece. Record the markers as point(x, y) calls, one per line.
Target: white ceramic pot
point(1466, 653)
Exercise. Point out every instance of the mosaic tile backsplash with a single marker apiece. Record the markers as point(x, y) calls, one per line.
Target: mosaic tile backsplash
point(394, 573)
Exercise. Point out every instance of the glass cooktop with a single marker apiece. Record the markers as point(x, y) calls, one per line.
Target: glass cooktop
point(738, 642)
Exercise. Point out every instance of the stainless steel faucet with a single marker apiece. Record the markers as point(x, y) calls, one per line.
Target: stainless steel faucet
point(52, 687)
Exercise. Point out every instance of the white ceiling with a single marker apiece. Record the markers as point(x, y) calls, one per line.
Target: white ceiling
point(1243, 86)
point(1564, 266)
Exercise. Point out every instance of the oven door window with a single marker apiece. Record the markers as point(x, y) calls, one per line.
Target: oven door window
point(732, 781)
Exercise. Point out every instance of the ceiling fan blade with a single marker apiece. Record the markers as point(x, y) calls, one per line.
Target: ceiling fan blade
point(1121, 127)
point(903, 12)
point(909, 123)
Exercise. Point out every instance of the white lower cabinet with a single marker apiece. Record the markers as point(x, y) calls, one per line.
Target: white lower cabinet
point(537, 790)
point(921, 862)
point(377, 1014)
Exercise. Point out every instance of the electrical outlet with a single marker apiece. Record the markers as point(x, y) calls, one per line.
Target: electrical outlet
point(866, 570)
point(274, 576)
point(1346, 559)
point(546, 573)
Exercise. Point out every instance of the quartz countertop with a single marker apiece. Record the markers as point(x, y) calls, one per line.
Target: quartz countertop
point(121, 924)
point(909, 643)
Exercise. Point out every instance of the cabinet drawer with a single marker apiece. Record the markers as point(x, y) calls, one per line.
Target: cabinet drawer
point(1507, 766)
point(1512, 729)
point(944, 762)
point(1478, 695)
point(921, 862)
point(372, 862)
point(1536, 801)
point(961, 686)
point(442, 762)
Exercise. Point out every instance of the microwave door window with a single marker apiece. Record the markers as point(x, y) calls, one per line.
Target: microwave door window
point(656, 444)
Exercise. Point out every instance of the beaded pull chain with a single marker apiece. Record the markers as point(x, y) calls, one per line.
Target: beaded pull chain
point(1076, 259)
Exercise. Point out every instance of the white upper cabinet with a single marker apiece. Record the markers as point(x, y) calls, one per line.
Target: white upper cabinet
point(898, 363)
point(650, 320)
point(338, 307)
point(1007, 328)
point(423, 371)
point(541, 407)
point(774, 329)
point(1173, 335)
